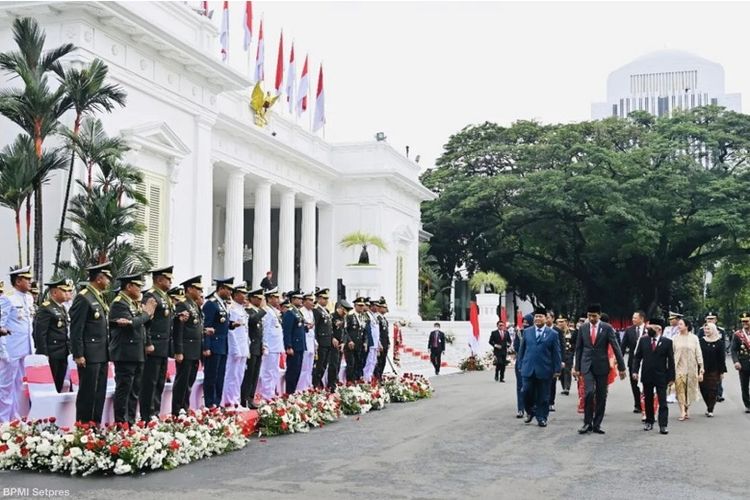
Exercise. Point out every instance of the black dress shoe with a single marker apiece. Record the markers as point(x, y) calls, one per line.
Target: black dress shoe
point(663, 430)
point(636, 410)
point(529, 418)
point(585, 429)
point(565, 393)
point(598, 430)
point(719, 399)
point(648, 427)
point(542, 423)
point(551, 407)
point(495, 378)
point(747, 410)
point(519, 414)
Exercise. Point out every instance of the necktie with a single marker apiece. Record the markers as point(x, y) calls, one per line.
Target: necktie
point(435, 340)
point(538, 334)
point(653, 344)
point(593, 334)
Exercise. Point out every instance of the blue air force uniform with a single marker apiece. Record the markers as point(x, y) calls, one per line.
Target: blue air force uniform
point(216, 316)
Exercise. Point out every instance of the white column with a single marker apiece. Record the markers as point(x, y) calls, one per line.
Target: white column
point(326, 273)
point(307, 247)
point(234, 232)
point(262, 232)
point(286, 241)
point(202, 200)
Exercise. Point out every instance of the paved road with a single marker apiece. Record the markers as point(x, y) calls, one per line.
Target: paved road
point(464, 442)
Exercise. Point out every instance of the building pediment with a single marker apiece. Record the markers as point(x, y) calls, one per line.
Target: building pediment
point(158, 138)
point(404, 234)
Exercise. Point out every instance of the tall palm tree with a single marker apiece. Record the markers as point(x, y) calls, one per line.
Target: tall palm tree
point(88, 93)
point(94, 147)
point(17, 180)
point(36, 108)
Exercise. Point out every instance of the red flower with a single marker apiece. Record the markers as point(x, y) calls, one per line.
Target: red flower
point(52, 420)
point(174, 445)
point(141, 424)
point(126, 443)
point(284, 426)
point(19, 439)
point(90, 445)
point(24, 451)
point(152, 424)
point(281, 412)
point(3, 448)
point(114, 449)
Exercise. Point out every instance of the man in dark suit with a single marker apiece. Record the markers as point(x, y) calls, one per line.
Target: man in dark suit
point(89, 343)
point(51, 330)
point(267, 282)
point(500, 340)
point(630, 340)
point(740, 351)
point(592, 363)
point(540, 362)
point(255, 313)
point(127, 319)
point(517, 341)
point(216, 345)
point(293, 326)
point(657, 356)
point(187, 340)
point(436, 345)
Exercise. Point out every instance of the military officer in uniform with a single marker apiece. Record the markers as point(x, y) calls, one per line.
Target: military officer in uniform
point(740, 352)
point(187, 339)
point(255, 313)
point(328, 344)
point(128, 349)
point(216, 344)
point(385, 341)
point(357, 324)
point(51, 330)
point(238, 347)
point(273, 345)
point(293, 327)
point(89, 342)
point(16, 320)
point(339, 333)
point(176, 295)
point(158, 338)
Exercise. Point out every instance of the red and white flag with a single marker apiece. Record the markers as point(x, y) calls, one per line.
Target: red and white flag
point(259, 56)
point(303, 89)
point(279, 66)
point(248, 26)
point(291, 80)
point(224, 33)
point(204, 6)
point(319, 120)
point(474, 320)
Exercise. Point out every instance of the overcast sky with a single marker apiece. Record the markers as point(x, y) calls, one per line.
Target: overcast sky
point(420, 71)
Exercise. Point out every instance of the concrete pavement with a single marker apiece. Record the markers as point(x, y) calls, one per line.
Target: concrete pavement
point(464, 442)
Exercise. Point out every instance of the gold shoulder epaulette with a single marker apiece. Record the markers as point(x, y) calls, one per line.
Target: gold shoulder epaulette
point(117, 299)
point(83, 292)
point(45, 303)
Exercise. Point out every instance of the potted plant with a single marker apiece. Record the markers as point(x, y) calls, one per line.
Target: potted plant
point(487, 282)
point(359, 238)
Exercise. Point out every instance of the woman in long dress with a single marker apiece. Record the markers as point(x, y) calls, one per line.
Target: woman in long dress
point(688, 361)
point(714, 364)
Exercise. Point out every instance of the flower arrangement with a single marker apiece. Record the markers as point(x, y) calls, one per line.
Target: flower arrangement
point(450, 338)
point(471, 363)
point(121, 449)
point(360, 398)
point(298, 412)
point(407, 387)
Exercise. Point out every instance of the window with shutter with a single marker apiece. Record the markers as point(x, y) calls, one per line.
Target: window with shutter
point(151, 216)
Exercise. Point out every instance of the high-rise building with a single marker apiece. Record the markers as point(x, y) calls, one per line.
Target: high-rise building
point(662, 82)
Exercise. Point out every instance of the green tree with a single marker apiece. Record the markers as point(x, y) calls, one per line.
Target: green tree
point(36, 108)
point(616, 210)
point(88, 93)
point(360, 238)
point(17, 171)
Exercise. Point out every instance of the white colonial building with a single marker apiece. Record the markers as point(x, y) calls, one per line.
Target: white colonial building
point(227, 198)
point(663, 81)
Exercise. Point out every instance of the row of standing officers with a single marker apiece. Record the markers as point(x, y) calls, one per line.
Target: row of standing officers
point(240, 336)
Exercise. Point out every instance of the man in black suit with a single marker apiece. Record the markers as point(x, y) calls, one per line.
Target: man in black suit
point(436, 345)
point(629, 341)
point(500, 340)
point(592, 363)
point(51, 330)
point(187, 340)
point(657, 356)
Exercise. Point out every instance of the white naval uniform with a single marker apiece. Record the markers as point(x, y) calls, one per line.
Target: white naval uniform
point(237, 354)
point(16, 311)
point(372, 353)
point(273, 341)
point(308, 358)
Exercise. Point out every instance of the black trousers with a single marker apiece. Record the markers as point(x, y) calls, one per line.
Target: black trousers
point(636, 390)
point(355, 363)
point(184, 379)
point(59, 369)
point(152, 386)
point(380, 365)
point(435, 355)
point(535, 395)
point(499, 364)
point(329, 360)
point(566, 378)
point(214, 369)
point(745, 387)
point(648, 401)
point(92, 391)
point(595, 401)
point(127, 389)
point(552, 390)
point(250, 380)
